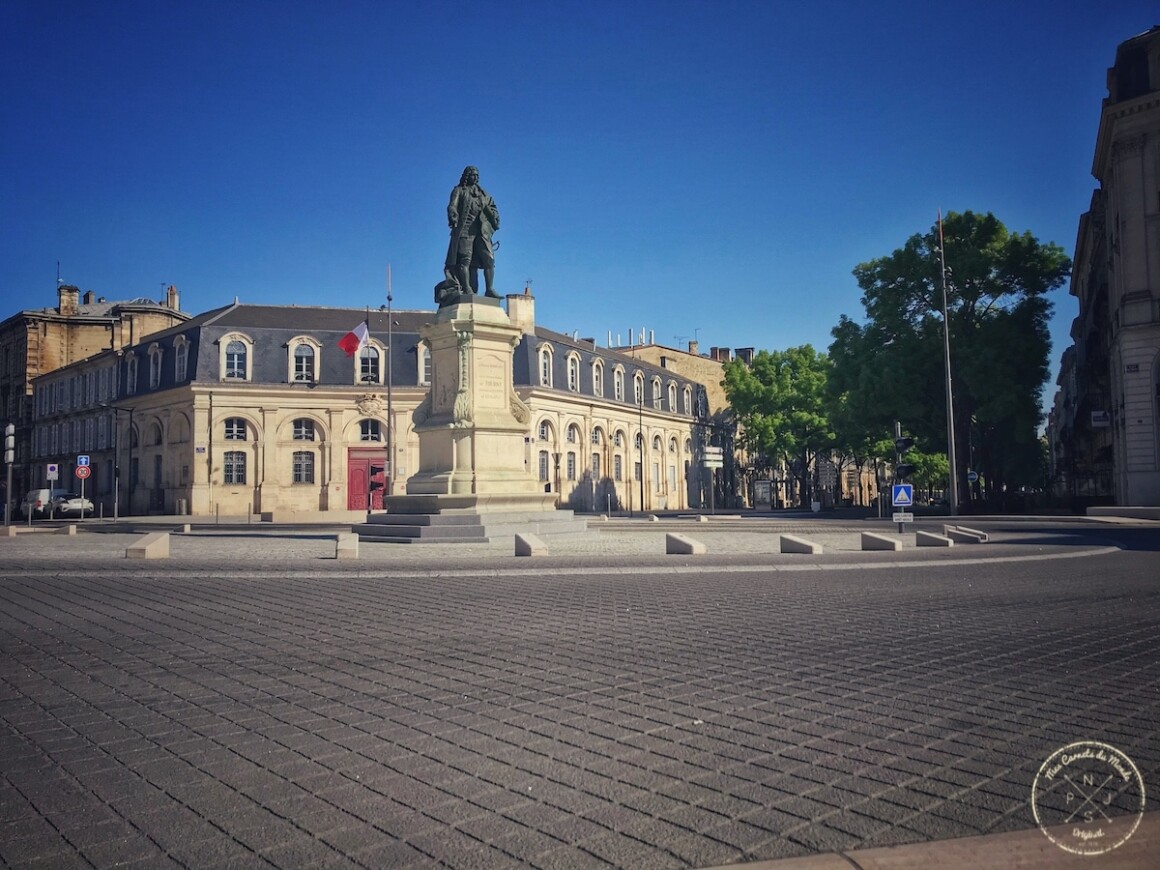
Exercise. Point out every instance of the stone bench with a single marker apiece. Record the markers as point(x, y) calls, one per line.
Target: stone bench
point(794, 544)
point(152, 546)
point(528, 544)
point(683, 545)
point(346, 545)
point(871, 541)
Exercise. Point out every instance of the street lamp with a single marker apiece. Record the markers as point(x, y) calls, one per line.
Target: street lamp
point(9, 456)
point(117, 453)
point(953, 501)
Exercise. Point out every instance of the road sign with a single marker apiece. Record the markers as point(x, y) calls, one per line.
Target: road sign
point(972, 476)
point(83, 460)
point(903, 517)
point(52, 471)
point(710, 462)
point(902, 495)
point(83, 471)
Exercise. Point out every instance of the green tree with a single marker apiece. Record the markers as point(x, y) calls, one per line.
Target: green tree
point(892, 364)
point(780, 403)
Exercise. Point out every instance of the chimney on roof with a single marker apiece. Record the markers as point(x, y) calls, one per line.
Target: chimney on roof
point(89, 296)
point(67, 299)
point(171, 299)
point(521, 311)
point(745, 354)
point(694, 347)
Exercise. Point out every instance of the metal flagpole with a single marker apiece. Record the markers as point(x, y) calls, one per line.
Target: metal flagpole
point(953, 499)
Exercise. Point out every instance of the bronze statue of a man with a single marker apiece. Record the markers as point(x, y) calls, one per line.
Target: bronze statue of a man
point(473, 217)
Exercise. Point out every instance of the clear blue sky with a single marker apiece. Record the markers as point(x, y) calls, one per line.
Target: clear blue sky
point(711, 169)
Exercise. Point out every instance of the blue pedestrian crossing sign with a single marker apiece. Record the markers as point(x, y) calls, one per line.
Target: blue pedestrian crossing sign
point(903, 495)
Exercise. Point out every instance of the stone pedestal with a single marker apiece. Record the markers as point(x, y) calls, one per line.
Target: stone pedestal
point(472, 425)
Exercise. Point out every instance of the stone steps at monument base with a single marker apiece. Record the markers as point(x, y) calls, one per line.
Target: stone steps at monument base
point(467, 528)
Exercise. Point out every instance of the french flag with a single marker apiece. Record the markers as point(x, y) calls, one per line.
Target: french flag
point(355, 340)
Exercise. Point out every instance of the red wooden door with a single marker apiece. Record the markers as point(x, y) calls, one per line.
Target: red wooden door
point(359, 479)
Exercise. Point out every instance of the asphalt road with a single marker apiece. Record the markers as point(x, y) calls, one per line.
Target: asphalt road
point(582, 711)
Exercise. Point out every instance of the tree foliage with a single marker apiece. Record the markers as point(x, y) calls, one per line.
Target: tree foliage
point(890, 367)
point(780, 402)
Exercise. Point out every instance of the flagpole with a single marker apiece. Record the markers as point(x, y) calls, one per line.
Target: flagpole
point(953, 499)
point(390, 407)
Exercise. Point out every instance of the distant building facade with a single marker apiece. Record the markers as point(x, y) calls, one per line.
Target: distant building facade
point(252, 409)
point(36, 341)
point(1104, 426)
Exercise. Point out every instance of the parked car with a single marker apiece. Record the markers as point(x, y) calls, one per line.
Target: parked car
point(69, 504)
point(38, 502)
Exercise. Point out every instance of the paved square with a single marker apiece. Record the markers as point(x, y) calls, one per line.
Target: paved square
point(326, 714)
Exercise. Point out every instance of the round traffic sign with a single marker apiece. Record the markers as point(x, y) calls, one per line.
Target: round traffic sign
point(83, 471)
point(972, 476)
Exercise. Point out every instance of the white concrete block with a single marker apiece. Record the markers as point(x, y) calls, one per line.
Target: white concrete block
point(871, 541)
point(930, 539)
point(529, 545)
point(346, 545)
point(794, 544)
point(155, 545)
point(70, 529)
point(963, 535)
point(683, 545)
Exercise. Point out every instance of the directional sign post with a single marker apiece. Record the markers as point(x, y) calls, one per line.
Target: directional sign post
point(902, 496)
point(82, 472)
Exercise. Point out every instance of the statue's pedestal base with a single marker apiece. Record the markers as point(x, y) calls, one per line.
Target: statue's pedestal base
point(473, 481)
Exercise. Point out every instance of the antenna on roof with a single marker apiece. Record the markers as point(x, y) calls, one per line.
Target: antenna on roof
point(59, 281)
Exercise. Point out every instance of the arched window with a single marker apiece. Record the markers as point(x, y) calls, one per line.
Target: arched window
point(545, 433)
point(656, 443)
point(130, 376)
point(597, 436)
point(235, 352)
point(156, 354)
point(638, 389)
point(424, 365)
point(303, 363)
point(598, 378)
point(618, 438)
point(573, 373)
point(180, 358)
point(369, 370)
point(688, 402)
point(618, 383)
point(235, 429)
point(236, 359)
point(573, 434)
point(546, 365)
point(672, 397)
point(656, 393)
point(369, 430)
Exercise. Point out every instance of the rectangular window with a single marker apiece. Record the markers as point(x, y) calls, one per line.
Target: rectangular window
point(571, 466)
point(303, 466)
point(656, 475)
point(617, 467)
point(235, 466)
point(303, 430)
point(596, 465)
point(543, 465)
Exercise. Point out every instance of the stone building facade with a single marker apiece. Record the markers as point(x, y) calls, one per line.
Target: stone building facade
point(255, 410)
point(36, 341)
point(1105, 423)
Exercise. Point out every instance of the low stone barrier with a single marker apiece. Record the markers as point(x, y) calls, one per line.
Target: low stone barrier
point(70, 529)
point(930, 539)
point(871, 541)
point(683, 545)
point(155, 545)
point(794, 544)
point(346, 545)
point(530, 545)
point(963, 535)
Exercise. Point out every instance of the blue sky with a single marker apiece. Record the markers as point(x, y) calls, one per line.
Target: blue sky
point(708, 170)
